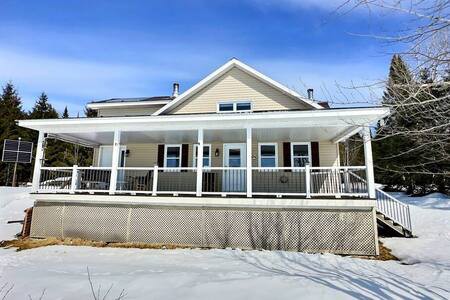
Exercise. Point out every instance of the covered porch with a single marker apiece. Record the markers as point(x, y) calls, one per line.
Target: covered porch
point(274, 154)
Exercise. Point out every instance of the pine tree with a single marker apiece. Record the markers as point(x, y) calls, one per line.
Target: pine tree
point(10, 111)
point(43, 109)
point(65, 114)
point(390, 152)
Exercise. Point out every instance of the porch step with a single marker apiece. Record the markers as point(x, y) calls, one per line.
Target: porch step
point(384, 221)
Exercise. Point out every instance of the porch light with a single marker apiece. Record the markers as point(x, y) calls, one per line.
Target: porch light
point(217, 152)
point(127, 153)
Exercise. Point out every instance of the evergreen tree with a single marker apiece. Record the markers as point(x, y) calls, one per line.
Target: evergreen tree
point(409, 150)
point(43, 109)
point(65, 114)
point(10, 111)
point(390, 153)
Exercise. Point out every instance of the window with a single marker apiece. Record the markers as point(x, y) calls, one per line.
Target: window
point(226, 107)
point(243, 106)
point(234, 106)
point(300, 154)
point(206, 155)
point(268, 155)
point(172, 156)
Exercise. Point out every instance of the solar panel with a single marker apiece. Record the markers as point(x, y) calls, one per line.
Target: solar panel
point(17, 151)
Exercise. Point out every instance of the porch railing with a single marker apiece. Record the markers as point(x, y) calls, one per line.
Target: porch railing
point(284, 181)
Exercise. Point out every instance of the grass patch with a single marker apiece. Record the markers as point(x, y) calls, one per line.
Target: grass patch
point(25, 244)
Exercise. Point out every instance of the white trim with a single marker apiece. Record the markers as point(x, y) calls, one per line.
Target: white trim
point(346, 134)
point(301, 143)
point(234, 103)
point(40, 153)
point(370, 177)
point(126, 104)
point(165, 154)
point(224, 68)
point(259, 153)
point(285, 119)
point(249, 151)
point(194, 158)
point(210, 201)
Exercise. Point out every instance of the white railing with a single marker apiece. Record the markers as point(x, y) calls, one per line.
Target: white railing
point(394, 209)
point(283, 181)
point(390, 207)
point(55, 179)
point(224, 180)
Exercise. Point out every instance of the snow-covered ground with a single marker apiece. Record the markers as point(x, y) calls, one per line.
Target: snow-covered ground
point(232, 274)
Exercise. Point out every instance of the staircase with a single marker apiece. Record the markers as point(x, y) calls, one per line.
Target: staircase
point(393, 214)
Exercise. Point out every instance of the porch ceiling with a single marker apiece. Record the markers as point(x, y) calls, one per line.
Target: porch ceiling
point(213, 135)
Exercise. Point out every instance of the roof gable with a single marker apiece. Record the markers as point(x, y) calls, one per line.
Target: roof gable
point(234, 63)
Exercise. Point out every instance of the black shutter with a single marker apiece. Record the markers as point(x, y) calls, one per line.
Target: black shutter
point(161, 155)
point(315, 154)
point(287, 154)
point(184, 155)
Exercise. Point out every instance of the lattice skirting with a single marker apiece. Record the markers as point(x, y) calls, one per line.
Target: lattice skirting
point(344, 231)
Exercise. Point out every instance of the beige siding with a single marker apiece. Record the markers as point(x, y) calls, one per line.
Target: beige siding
point(328, 154)
point(237, 85)
point(128, 111)
point(146, 155)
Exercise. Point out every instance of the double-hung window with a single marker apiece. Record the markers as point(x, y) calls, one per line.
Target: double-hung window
point(234, 106)
point(300, 154)
point(268, 155)
point(172, 156)
point(206, 155)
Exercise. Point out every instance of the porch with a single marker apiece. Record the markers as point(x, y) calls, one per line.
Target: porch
point(274, 154)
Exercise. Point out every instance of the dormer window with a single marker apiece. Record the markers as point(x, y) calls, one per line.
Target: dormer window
point(234, 106)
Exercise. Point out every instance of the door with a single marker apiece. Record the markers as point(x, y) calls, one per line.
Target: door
point(234, 155)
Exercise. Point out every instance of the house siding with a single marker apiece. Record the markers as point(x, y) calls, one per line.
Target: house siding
point(237, 85)
point(146, 155)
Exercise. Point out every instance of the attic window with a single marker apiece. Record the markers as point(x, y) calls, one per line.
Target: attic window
point(234, 106)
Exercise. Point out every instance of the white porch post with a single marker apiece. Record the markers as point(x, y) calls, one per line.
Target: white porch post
point(369, 162)
point(249, 162)
point(115, 161)
point(38, 161)
point(200, 163)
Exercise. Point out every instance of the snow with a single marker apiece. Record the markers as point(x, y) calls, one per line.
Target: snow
point(430, 216)
point(232, 274)
point(13, 202)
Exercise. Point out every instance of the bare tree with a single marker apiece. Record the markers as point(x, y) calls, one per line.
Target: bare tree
point(420, 100)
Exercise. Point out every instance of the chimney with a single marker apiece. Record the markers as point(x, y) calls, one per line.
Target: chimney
point(310, 94)
point(176, 89)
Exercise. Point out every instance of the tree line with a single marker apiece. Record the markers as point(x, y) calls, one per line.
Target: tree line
point(58, 153)
point(411, 148)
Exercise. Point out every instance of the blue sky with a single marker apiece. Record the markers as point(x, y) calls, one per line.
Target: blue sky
point(78, 51)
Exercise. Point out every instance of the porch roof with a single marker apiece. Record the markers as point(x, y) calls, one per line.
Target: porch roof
point(325, 124)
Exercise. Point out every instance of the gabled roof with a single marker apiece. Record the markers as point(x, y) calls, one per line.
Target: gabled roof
point(246, 68)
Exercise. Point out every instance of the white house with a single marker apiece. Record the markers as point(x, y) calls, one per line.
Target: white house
point(268, 175)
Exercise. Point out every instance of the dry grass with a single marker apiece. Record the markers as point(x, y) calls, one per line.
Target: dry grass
point(25, 244)
point(385, 254)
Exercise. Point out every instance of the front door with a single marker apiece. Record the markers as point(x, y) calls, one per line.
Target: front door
point(234, 156)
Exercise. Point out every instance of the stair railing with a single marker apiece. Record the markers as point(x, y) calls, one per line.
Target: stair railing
point(392, 208)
